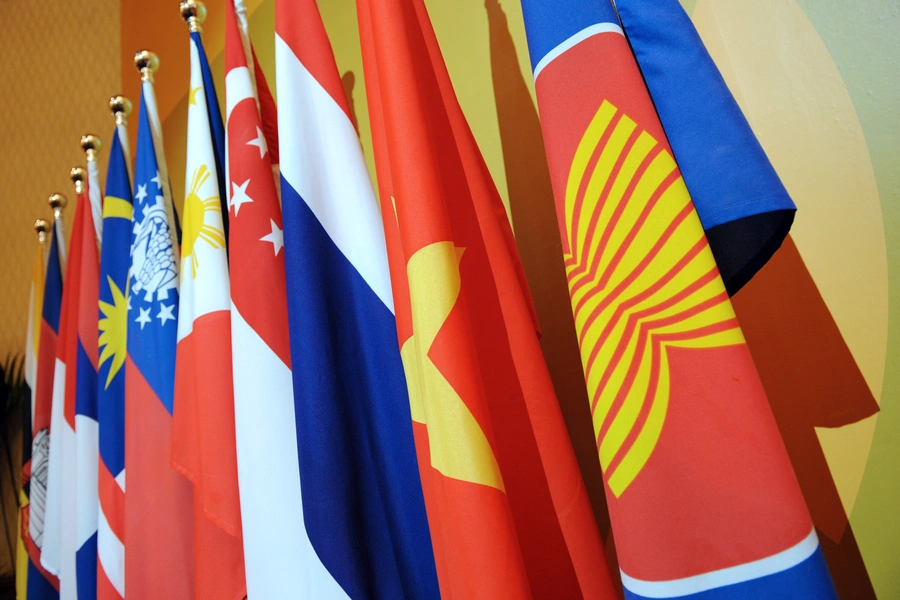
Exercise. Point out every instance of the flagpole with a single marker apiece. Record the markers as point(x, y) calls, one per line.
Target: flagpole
point(91, 145)
point(121, 107)
point(58, 203)
point(147, 64)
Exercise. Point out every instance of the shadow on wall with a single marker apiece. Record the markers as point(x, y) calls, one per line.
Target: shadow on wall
point(537, 235)
point(812, 381)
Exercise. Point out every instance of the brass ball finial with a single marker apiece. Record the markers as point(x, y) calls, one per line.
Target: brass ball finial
point(120, 107)
point(78, 176)
point(57, 203)
point(41, 227)
point(91, 145)
point(147, 63)
point(194, 13)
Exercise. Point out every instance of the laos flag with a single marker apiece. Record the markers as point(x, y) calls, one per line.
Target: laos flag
point(703, 501)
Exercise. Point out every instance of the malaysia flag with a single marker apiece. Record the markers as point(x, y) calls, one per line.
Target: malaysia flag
point(113, 327)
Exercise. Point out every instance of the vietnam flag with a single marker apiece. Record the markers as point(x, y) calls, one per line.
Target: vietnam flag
point(703, 501)
point(506, 504)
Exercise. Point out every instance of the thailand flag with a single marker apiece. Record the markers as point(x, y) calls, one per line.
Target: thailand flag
point(113, 326)
point(363, 511)
point(203, 437)
point(69, 542)
point(86, 427)
point(41, 584)
point(158, 522)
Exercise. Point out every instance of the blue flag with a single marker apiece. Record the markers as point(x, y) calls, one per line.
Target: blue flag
point(742, 203)
point(215, 125)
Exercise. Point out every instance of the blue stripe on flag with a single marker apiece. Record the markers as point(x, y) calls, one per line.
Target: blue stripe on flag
point(808, 580)
point(85, 385)
point(86, 569)
point(552, 23)
point(53, 286)
point(215, 123)
point(362, 499)
point(38, 587)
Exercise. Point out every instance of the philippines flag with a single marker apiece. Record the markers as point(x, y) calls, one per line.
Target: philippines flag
point(41, 584)
point(363, 510)
point(203, 437)
point(70, 545)
point(702, 497)
point(158, 523)
point(113, 342)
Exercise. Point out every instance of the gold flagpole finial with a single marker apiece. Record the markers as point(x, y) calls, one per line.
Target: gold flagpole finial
point(91, 145)
point(41, 227)
point(120, 107)
point(78, 176)
point(58, 203)
point(147, 63)
point(194, 13)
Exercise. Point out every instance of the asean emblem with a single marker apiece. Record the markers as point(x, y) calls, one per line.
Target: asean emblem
point(153, 260)
point(642, 280)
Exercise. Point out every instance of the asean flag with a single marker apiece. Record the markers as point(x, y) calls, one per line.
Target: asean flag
point(507, 507)
point(703, 500)
point(203, 438)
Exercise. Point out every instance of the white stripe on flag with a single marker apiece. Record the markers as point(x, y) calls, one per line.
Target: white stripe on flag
point(87, 451)
point(279, 558)
point(770, 565)
point(51, 550)
point(322, 160)
point(574, 41)
point(111, 554)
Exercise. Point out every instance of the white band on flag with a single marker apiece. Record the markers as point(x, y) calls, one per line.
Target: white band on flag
point(574, 41)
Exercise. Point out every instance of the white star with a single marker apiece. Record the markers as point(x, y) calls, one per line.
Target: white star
point(144, 317)
point(165, 313)
point(260, 142)
point(156, 180)
point(239, 196)
point(128, 300)
point(276, 238)
point(141, 193)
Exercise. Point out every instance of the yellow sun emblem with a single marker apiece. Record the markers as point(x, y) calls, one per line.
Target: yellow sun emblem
point(113, 330)
point(195, 225)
